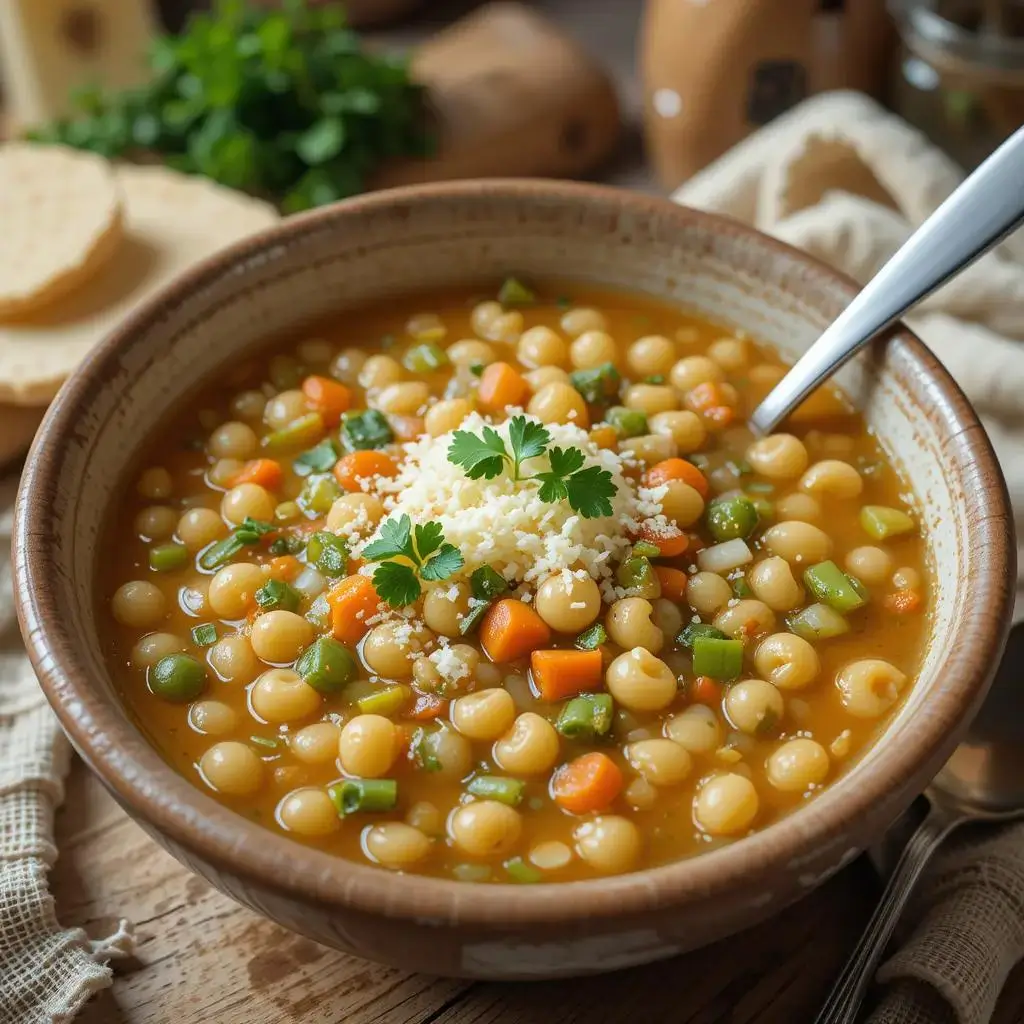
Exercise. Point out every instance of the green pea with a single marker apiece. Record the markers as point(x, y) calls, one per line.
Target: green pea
point(177, 678)
point(731, 518)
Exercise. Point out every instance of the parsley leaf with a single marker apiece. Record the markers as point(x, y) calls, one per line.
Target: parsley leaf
point(395, 540)
point(528, 440)
point(565, 460)
point(445, 563)
point(319, 459)
point(590, 492)
point(479, 457)
point(396, 583)
point(429, 537)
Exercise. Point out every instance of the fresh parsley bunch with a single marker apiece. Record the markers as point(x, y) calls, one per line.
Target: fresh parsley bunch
point(398, 582)
point(279, 103)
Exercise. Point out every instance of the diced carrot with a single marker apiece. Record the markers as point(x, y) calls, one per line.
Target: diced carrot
point(501, 387)
point(903, 602)
point(604, 435)
point(678, 469)
point(673, 583)
point(720, 415)
point(560, 674)
point(428, 706)
point(705, 396)
point(286, 567)
point(265, 472)
point(327, 397)
point(589, 783)
point(352, 602)
point(706, 690)
point(668, 544)
point(407, 428)
point(512, 629)
point(351, 469)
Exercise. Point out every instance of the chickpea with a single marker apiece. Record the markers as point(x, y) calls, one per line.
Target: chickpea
point(773, 582)
point(609, 843)
point(651, 399)
point(745, 619)
point(649, 448)
point(280, 637)
point(316, 744)
point(249, 405)
point(492, 322)
point(379, 371)
point(707, 593)
point(485, 828)
point(471, 352)
point(550, 855)
point(389, 656)
point(368, 746)
point(832, 477)
point(445, 606)
point(403, 399)
point(247, 501)
point(696, 729)
point(284, 408)
point(453, 753)
point(530, 747)
point(155, 646)
point(156, 522)
point(766, 375)
point(661, 762)
point(155, 483)
point(568, 606)
point(484, 715)
point(651, 356)
point(592, 349)
point(545, 375)
point(798, 542)
point(870, 564)
point(681, 503)
point(212, 717)
point(641, 682)
point(730, 353)
point(358, 512)
point(629, 625)
point(691, 371)
point(667, 617)
point(798, 765)
point(308, 812)
point(234, 660)
point(426, 817)
point(223, 471)
point(778, 457)
point(231, 768)
point(868, 688)
point(754, 706)
point(559, 403)
point(425, 675)
point(541, 346)
point(798, 506)
point(233, 440)
point(199, 527)
point(726, 804)
point(138, 604)
point(348, 364)
point(787, 661)
point(233, 590)
point(906, 578)
point(686, 428)
point(281, 695)
point(640, 794)
point(582, 319)
point(396, 845)
point(443, 417)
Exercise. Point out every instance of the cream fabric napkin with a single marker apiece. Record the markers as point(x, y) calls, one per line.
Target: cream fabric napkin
point(847, 181)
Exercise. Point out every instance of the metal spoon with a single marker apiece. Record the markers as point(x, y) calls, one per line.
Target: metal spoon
point(977, 216)
point(982, 781)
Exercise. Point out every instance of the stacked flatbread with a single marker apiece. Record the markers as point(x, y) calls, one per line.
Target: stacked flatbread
point(82, 243)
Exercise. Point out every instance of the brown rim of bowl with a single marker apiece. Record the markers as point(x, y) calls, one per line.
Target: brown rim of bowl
point(140, 778)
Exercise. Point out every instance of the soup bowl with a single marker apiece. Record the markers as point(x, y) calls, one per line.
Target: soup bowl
point(366, 250)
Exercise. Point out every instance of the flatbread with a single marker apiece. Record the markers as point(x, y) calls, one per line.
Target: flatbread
point(60, 222)
point(171, 221)
point(18, 425)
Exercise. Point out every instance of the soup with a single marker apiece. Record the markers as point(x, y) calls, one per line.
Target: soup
point(503, 590)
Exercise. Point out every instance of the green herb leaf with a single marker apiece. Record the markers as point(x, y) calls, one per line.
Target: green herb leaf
point(591, 491)
point(364, 430)
point(422, 751)
point(395, 540)
point(319, 459)
point(445, 563)
point(487, 583)
point(429, 537)
point(598, 385)
point(528, 440)
point(321, 141)
point(479, 456)
point(396, 584)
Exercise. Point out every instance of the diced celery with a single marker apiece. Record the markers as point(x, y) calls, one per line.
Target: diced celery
point(882, 522)
point(168, 557)
point(598, 385)
point(817, 622)
point(637, 575)
point(646, 549)
point(830, 585)
point(300, 433)
point(691, 632)
point(326, 665)
point(717, 658)
point(276, 595)
point(328, 553)
point(319, 493)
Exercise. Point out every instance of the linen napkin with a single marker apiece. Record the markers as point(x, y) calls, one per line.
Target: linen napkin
point(849, 182)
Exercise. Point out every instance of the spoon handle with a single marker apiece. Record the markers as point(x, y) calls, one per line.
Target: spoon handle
point(849, 989)
point(978, 215)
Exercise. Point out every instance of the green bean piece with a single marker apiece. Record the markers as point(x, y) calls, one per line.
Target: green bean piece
point(637, 575)
point(487, 583)
point(817, 622)
point(356, 795)
point(592, 638)
point(222, 552)
point(318, 459)
point(514, 293)
point(731, 518)
point(319, 493)
point(692, 630)
point(598, 385)
point(386, 702)
point(328, 552)
point(276, 595)
point(326, 665)
point(881, 522)
point(425, 358)
point(586, 717)
point(168, 557)
point(285, 373)
point(497, 787)
point(627, 422)
point(300, 433)
point(177, 678)
point(521, 872)
point(363, 430)
point(830, 585)
point(204, 635)
point(719, 659)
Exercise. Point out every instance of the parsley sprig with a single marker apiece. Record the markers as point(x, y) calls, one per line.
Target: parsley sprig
point(398, 582)
point(588, 490)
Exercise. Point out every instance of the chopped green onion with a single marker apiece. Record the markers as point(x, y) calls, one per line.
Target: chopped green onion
point(514, 293)
point(328, 552)
point(264, 741)
point(319, 613)
point(177, 678)
point(829, 584)
point(319, 493)
point(287, 512)
point(817, 622)
point(598, 385)
point(423, 750)
point(521, 872)
point(690, 633)
point(204, 635)
point(318, 459)
point(224, 550)
point(425, 358)
point(168, 557)
point(355, 795)
point(477, 369)
point(366, 429)
point(591, 639)
point(277, 595)
point(287, 544)
point(731, 518)
point(326, 665)
point(298, 434)
point(717, 658)
point(473, 617)
point(882, 522)
point(496, 787)
point(386, 702)
point(636, 574)
point(645, 549)
point(487, 583)
point(627, 422)
point(585, 717)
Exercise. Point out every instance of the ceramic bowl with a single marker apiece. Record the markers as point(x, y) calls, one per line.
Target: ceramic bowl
point(419, 238)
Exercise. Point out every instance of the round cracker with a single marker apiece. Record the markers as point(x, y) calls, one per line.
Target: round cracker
point(171, 221)
point(61, 215)
point(18, 425)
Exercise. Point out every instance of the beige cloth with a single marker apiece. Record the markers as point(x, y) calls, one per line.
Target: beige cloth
point(847, 181)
